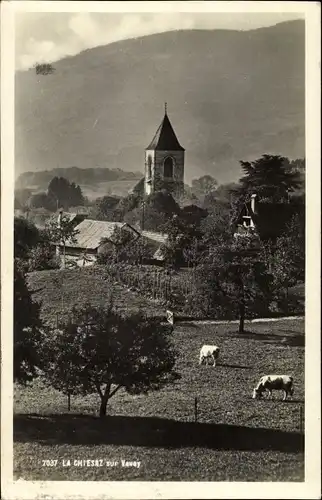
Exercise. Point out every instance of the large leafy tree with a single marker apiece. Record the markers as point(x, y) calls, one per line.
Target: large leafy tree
point(183, 235)
point(101, 351)
point(27, 326)
point(246, 279)
point(64, 194)
point(271, 177)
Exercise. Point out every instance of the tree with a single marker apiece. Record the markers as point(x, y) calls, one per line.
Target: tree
point(287, 259)
point(27, 326)
point(182, 237)
point(271, 177)
point(101, 351)
point(26, 236)
point(204, 185)
point(146, 217)
point(22, 197)
point(42, 200)
point(60, 231)
point(246, 278)
point(103, 208)
point(64, 194)
point(232, 277)
point(44, 68)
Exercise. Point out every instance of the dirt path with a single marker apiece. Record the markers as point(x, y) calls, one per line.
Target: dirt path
point(236, 321)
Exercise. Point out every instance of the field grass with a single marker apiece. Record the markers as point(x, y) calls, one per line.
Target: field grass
point(235, 439)
point(60, 290)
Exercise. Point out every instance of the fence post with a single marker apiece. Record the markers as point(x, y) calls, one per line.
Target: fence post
point(68, 399)
point(196, 409)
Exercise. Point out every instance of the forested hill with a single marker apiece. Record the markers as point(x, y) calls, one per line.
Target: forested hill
point(232, 95)
point(82, 176)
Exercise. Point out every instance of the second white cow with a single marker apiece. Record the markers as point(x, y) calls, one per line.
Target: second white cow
point(274, 382)
point(209, 353)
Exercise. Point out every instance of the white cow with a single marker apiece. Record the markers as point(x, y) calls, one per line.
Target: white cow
point(209, 353)
point(274, 382)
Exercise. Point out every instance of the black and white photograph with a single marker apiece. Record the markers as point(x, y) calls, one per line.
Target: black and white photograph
point(157, 252)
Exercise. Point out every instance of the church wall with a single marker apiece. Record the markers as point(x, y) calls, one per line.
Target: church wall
point(148, 187)
point(178, 169)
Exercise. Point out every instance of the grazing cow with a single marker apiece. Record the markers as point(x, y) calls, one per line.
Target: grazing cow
point(274, 382)
point(208, 353)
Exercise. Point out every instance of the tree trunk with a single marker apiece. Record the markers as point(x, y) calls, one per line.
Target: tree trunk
point(104, 399)
point(103, 406)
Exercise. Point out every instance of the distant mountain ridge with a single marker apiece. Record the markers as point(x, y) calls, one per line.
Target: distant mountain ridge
point(81, 176)
point(232, 95)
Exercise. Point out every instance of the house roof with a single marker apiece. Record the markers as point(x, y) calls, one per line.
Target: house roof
point(91, 232)
point(157, 237)
point(72, 216)
point(165, 138)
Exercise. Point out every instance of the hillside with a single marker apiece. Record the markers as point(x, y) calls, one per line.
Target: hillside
point(231, 95)
point(94, 182)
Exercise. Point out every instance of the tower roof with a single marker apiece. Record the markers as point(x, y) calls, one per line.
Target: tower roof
point(165, 138)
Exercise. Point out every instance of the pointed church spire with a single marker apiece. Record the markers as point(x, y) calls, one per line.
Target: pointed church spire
point(165, 138)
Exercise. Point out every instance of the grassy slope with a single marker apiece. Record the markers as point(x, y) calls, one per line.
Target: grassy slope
point(60, 290)
point(236, 438)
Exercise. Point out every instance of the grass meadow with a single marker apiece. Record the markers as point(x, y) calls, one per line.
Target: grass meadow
point(235, 438)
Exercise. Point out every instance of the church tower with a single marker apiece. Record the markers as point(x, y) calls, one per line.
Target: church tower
point(164, 160)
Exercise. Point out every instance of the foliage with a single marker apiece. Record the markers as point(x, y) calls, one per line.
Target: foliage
point(182, 241)
point(44, 68)
point(163, 201)
point(102, 351)
point(43, 257)
point(104, 208)
point(147, 218)
point(231, 279)
point(42, 200)
point(64, 193)
point(61, 230)
point(204, 185)
point(26, 329)
point(271, 177)
point(26, 236)
point(22, 197)
point(124, 246)
point(287, 261)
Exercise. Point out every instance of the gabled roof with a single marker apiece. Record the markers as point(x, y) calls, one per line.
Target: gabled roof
point(91, 232)
point(165, 138)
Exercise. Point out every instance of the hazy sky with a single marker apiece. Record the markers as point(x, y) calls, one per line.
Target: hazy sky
point(47, 37)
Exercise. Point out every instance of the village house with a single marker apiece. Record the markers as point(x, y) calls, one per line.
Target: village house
point(93, 236)
point(265, 219)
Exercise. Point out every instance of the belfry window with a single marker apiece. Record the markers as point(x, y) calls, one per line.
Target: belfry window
point(168, 168)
